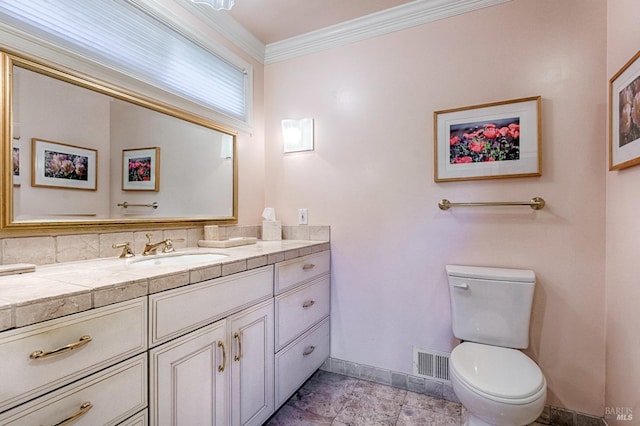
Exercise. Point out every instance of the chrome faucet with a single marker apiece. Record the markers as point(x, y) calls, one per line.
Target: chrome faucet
point(150, 248)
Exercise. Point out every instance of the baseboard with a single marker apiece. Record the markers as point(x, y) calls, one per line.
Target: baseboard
point(553, 416)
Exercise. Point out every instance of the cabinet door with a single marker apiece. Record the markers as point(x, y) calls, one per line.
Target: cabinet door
point(252, 377)
point(189, 379)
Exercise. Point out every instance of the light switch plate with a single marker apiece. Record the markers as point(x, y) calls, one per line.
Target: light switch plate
point(302, 217)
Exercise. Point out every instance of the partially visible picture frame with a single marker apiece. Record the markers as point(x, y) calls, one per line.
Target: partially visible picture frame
point(624, 116)
point(141, 169)
point(15, 155)
point(59, 165)
point(488, 141)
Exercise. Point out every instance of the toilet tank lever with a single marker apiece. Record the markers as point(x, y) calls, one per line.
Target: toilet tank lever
point(464, 286)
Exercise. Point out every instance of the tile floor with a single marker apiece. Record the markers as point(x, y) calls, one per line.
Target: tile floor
point(337, 400)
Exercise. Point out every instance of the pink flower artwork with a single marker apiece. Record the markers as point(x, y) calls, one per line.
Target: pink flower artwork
point(479, 142)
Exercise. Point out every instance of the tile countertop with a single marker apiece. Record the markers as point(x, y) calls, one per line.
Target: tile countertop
point(62, 289)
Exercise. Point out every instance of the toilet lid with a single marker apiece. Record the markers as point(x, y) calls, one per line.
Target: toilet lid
point(501, 372)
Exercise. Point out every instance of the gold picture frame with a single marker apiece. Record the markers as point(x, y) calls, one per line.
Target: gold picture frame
point(60, 165)
point(488, 141)
point(624, 116)
point(141, 169)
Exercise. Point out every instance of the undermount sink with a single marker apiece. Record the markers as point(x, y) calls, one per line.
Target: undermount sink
point(176, 259)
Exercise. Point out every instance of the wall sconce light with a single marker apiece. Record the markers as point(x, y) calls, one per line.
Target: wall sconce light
point(297, 135)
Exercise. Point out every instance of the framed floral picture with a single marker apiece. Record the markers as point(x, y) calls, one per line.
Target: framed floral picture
point(488, 141)
point(141, 169)
point(15, 159)
point(624, 116)
point(59, 165)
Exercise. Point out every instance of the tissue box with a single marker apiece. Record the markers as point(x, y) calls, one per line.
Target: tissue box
point(271, 230)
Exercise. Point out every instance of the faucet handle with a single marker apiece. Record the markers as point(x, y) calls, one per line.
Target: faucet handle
point(168, 245)
point(126, 249)
point(149, 236)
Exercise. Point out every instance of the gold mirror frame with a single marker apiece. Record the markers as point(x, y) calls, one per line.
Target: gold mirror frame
point(9, 227)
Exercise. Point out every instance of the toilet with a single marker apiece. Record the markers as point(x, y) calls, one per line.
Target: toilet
point(490, 311)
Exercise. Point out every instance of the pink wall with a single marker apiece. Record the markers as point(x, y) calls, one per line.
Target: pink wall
point(623, 244)
point(371, 179)
point(251, 157)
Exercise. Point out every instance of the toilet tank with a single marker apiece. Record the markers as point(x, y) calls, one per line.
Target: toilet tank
point(491, 305)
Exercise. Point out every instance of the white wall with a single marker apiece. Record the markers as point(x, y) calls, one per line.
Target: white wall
point(194, 179)
point(51, 110)
point(371, 179)
point(623, 241)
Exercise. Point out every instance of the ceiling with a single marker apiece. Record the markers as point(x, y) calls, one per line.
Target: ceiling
point(275, 20)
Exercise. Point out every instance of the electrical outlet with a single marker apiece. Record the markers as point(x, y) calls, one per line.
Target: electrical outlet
point(302, 217)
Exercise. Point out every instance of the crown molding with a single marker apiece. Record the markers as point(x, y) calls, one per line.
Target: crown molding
point(395, 19)
point(398, 18)
point(228, 27)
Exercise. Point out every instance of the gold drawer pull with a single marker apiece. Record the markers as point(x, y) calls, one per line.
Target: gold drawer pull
point(308, 266)
point(224, 357)
point(309, 351)
point(41, 354)
point(84, 408)
point(308, 303)
point(239, 338)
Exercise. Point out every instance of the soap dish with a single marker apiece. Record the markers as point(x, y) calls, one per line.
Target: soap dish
point(232, 242)
point(16, 268)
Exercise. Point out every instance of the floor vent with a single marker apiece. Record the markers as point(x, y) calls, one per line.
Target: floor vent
point(431, 364)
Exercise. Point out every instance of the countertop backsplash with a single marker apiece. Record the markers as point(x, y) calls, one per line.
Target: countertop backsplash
point(69, 248)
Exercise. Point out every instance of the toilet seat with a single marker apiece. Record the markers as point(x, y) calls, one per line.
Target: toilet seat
point(501, 374)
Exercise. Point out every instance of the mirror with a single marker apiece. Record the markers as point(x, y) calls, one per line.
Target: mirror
point(84, 153)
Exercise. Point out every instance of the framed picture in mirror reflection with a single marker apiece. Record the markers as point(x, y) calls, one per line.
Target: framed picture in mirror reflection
point(15, 159)
point(60, 165)
point(141, 169)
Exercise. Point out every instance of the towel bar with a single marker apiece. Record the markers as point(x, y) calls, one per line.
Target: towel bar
point(536, 203)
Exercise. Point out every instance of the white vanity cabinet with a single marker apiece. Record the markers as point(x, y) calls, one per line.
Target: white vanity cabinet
point(175, 312)
point(225, 351)
point(220, 371)
point(104, 398)
point(189, 380)
point(251, 364)
point(302, 307)
point(56, 362)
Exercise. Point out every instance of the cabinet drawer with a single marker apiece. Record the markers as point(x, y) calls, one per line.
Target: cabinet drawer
point(114, 395)
point(296, 271)
point(176, 312)
point(300, 308)
point(117, 332)
point(297, 362)
point(140, 419)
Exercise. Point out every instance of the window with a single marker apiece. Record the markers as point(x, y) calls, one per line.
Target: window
point(119, 35)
